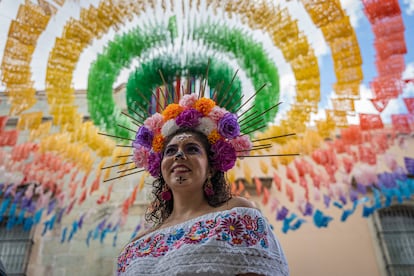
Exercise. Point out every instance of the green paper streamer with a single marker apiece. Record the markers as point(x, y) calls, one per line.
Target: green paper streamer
point(123, 49)
point(146, 78)
point(103, 72)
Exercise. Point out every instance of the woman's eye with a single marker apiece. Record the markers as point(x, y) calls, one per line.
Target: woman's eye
point(170, 151)
point(193, 149)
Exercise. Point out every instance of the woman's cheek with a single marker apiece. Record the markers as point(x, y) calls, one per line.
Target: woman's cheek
point(164, 167)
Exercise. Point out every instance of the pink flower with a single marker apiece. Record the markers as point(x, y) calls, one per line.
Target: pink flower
point(140, 156)
point(217, 113)
point(188, 100)
point(242, 145)
point(154, 123)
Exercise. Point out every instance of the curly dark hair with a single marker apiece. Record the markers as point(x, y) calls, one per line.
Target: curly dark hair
point(159, 210)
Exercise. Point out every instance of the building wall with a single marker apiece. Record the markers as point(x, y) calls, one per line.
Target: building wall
point(51, 257)
point(341, 249)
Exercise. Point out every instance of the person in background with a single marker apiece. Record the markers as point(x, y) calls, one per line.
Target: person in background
point(199, 227)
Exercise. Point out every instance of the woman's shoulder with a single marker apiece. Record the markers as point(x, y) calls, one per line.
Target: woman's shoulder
point(238, 201)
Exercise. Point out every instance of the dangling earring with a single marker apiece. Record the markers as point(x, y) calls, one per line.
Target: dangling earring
point(208, 187)
point(166, 193)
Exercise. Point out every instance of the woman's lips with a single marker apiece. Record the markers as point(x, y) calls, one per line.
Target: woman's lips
point(180, 169)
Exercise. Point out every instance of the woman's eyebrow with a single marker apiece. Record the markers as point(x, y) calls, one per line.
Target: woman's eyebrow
point(193, 144)
point(185, 144)
point(171, 145)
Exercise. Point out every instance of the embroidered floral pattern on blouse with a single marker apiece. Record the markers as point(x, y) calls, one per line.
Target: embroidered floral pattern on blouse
point(233, 228)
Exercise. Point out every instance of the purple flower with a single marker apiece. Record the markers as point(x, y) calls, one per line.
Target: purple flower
point(224, 155)
point(188, 118)
point(154, 164)
point(144, 137)
point(228, 126)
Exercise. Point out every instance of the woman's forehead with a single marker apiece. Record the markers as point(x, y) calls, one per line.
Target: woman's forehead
point(184, 138)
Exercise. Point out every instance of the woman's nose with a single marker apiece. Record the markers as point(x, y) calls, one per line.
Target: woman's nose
point(179, 155)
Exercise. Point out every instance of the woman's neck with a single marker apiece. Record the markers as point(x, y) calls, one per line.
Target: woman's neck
point(188, 206)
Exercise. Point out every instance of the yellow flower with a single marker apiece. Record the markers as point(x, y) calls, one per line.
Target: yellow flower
point(172, 111)
point(158, 143)
point(213, 137)
point(204, 105)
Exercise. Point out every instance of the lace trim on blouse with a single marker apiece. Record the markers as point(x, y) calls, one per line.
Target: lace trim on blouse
point(220, 243)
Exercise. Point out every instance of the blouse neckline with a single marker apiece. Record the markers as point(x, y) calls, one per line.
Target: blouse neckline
point(202, 217)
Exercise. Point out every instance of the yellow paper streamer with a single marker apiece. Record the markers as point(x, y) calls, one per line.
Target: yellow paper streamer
point(247, 172)
point(29, 120)
point(42, 131)
point(31, 21)
point(264, 167)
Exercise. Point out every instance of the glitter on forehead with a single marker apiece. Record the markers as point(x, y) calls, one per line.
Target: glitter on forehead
point(183, 136)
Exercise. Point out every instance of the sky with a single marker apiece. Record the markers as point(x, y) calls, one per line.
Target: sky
point(354, 8)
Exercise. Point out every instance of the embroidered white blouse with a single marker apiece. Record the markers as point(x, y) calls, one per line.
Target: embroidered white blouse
point(228, 242)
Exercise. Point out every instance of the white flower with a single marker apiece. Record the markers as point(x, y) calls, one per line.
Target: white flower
point(206, 126)
point(169, 128)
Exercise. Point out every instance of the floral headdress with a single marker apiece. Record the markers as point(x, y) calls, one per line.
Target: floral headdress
point(201, 114)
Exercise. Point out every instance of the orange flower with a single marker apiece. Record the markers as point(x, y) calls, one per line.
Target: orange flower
point(204, 105)
point(158, 143)
point(172, 111)
point(214, 136)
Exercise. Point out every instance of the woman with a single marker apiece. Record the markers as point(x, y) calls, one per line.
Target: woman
point(200, 229)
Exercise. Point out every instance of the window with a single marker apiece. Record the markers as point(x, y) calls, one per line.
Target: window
point(395, 232)
point(15, 246)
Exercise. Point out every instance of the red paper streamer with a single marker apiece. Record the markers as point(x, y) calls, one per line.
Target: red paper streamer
point(401, 123)
point(370, 121)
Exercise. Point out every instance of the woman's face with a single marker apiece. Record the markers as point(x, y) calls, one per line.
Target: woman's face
point(185, 161)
